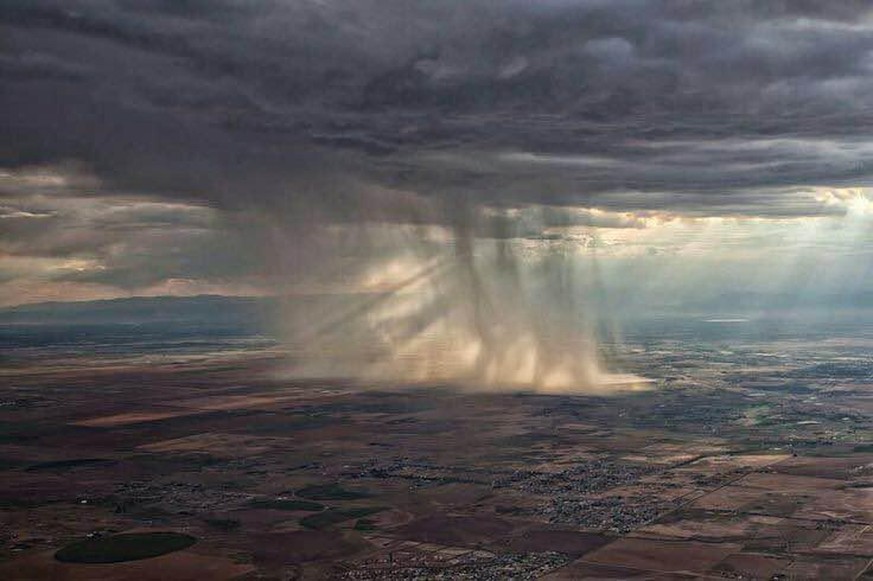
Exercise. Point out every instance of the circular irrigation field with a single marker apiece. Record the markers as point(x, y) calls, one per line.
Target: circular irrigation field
point(124, 547)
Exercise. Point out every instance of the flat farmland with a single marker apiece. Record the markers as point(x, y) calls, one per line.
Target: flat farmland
point(330, 479)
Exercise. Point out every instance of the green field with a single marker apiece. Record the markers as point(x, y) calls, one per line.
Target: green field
point(224, 524)
point(329, 492)
point(365, 524)
point(68, 464)
point(287, 504)
point(336, 515)
point(124, 547)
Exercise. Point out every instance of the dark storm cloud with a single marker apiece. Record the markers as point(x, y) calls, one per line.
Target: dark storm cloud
point(311, 106)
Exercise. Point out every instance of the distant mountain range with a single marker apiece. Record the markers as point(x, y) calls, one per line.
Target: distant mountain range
point(212, 309)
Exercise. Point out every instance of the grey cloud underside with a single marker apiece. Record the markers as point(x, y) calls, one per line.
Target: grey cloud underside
point(688, 106)
point(127, 242)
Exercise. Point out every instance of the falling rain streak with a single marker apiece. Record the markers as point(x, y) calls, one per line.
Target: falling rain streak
point(478, 305)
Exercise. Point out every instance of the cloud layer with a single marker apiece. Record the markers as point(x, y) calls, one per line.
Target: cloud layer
point(556, 101)
point(201, 130)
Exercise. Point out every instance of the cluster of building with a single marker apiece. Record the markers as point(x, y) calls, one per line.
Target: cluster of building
point(614, 513)
point(588, 477)
point(472, 566)
point(176, 496)
point(421, 471)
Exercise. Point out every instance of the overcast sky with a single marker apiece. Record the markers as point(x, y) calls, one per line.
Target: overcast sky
point(227, 146)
